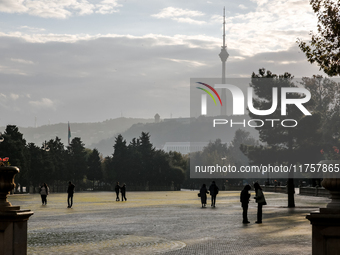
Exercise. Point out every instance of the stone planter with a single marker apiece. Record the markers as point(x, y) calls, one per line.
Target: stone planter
point(7, 174)
point(326, 223)
point(13, 221)
point(331, 182)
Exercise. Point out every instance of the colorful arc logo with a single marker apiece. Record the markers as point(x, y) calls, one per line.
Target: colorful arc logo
point(208, 92)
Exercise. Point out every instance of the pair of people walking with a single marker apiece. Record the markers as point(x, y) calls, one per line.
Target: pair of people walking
point(122, 190)
point(213, 189)
point(45, 190)
point(259, 198)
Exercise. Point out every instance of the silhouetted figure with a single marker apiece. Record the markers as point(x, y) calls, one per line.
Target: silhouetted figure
point(117, 188)
point(203, 193)
point(244, 199)
point(123, 190)
point(213, 189)
point(260, 200)
point(70, 192)
point(44, 190)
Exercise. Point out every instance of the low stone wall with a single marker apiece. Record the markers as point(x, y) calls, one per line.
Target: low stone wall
point(277, 189)
point(312, 191)
point(61, 189)
point(233, 188)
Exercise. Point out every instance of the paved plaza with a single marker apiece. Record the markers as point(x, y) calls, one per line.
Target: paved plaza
point(169, 223)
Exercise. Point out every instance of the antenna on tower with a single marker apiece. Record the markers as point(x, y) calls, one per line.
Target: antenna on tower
point(224, 56)
point(223, 28)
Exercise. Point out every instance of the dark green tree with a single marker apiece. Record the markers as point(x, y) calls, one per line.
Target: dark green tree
point(109, 175)
point(94, 171)
point(35, 165)
point(282, 145)
point(58, 156)
point(76, 162)
point(324, 47)
point(120, 159)
point(134, 165)
point(146, 150)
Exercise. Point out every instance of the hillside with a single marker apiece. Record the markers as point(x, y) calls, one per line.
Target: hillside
point(172, 130)
point(88, 132)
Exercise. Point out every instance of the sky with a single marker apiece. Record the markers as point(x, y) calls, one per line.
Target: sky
point(93, 60)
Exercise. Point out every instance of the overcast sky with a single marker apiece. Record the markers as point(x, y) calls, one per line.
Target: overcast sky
point(88, 60)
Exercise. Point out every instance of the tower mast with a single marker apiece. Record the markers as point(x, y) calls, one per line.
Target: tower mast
point(224, 56)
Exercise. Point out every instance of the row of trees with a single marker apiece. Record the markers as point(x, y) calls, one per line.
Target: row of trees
point(57, 164)
point(137, 163)
point(141, 164)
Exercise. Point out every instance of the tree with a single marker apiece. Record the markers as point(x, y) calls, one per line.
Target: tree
point(120, 159)
point(324, 47)
point(146, 150)
point(35, 165)
point(76, 162)
point(58, 156)
point(281, 145)
point(134, 166)
point(94, 171)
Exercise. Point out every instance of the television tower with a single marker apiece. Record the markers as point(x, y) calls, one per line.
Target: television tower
point(224, 56)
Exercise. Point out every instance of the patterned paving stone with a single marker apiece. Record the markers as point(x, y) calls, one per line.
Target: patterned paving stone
point(169, 223)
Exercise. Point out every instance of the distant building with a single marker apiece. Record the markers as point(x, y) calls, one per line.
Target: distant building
point(181, 120)
point(157, 118)
point(184, 147)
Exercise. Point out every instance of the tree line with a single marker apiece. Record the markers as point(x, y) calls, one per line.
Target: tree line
point(137, 163)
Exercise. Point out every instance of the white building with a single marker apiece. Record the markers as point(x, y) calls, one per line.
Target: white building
point(184, 147)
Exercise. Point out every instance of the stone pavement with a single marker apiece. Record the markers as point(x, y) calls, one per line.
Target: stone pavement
point(169, 223)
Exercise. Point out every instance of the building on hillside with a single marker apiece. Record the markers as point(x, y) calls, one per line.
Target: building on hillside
point(184, 147)
point(157, 118)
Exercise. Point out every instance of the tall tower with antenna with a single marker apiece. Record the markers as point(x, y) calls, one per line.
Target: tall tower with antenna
point(224, 56)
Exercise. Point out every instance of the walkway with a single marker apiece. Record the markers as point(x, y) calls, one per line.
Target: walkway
point(170, 223)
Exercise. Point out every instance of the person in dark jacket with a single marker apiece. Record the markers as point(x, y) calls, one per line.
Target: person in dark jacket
point(70, 192)
point(244, 199)
point(203, 193)
point(44, 191)
point(117, 188)
point(213, 189)
point(123, 190)
point(260, 200)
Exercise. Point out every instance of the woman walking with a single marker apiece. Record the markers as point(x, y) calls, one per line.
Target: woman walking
point(260, 200)
point(44, 190)
point(203, 194)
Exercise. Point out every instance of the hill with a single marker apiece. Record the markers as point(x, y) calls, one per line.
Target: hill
point(88, 132)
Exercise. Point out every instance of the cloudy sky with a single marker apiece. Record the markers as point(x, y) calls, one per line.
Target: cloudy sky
point(92, 60)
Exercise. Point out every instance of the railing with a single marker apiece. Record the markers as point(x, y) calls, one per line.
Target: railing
point(314, 191)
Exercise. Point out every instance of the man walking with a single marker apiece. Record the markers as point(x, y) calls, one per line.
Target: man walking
point(123, 190)
point(70, 191)
point(213, 193)
point(244, 199)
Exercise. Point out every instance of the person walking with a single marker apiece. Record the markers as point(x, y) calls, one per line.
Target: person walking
point(123, 190)
point(70, 192)
point(213, 189)
point(203, 194)
point(244, 199)
point(260, 200)
point(44, 191)
point(117, 188)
